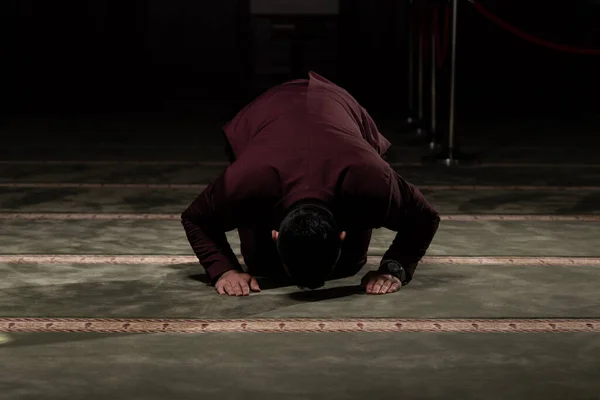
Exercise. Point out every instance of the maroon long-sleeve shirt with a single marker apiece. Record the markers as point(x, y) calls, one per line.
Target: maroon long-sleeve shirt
point(307, 139)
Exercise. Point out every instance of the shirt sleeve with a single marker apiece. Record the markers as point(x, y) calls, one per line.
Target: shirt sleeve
point(372, 134)
point(416, 223)
point(205, 222)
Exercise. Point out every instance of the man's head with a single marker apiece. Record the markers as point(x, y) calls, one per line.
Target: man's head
point(309, 244)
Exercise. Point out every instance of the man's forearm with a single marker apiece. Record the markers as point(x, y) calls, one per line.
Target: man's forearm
point(210, 246)
point(412, 241)
point(416, 223)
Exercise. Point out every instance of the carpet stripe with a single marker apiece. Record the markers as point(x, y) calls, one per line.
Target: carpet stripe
point(176, 217)
point(72, 185)
point(174, 260)
point(92, 325)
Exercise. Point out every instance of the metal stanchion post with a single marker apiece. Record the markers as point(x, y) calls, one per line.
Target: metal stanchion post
point(411, 62)
point(450, 158)
point(420, 74)
point(451, 155)
point(432, 143)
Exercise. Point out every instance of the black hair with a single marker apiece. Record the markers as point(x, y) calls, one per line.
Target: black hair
point(309, 244)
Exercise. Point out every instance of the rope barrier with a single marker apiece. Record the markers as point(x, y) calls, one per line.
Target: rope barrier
point(528, 37)
point(442, 43)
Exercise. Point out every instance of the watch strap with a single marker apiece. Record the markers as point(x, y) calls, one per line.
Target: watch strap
point(395, 269)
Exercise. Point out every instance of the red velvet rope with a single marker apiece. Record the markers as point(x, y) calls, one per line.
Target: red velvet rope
point(442, 33)
point(530, 38)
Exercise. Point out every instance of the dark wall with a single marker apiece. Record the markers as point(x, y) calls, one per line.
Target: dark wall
point(373, 52)
point(153, 55)
point(121, 55)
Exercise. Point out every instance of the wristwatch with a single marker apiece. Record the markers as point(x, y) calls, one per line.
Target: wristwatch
point(395, 269)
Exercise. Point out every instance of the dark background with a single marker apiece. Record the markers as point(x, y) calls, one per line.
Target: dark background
point(183, 57)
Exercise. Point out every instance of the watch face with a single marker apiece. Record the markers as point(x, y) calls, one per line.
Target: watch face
point(394, 268)
point(398, 271)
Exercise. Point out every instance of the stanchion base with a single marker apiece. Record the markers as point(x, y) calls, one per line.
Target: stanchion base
point(452, 157)
point(412, 119)
point(421, 132)
point(418, 138)
point(416, 129)
point(412, 125)
point(433, 144)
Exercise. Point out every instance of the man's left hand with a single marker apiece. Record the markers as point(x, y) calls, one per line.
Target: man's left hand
point(378, 283)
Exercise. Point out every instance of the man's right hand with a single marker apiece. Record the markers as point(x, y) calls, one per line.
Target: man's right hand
point(236, 283)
